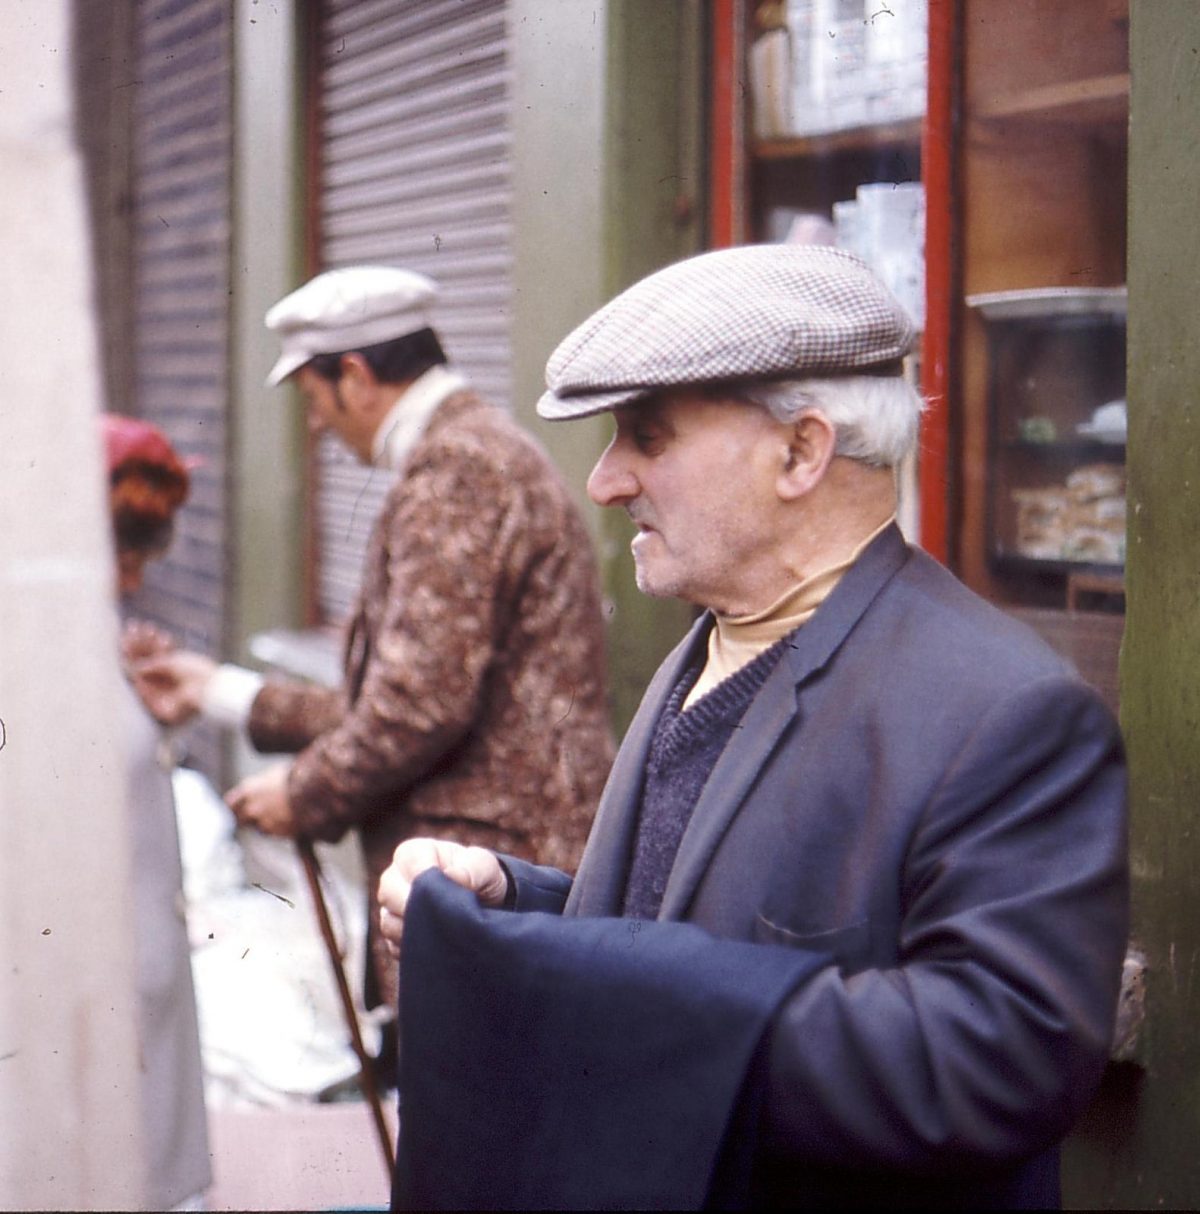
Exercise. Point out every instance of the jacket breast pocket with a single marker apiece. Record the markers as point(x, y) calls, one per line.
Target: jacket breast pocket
point(849, 946)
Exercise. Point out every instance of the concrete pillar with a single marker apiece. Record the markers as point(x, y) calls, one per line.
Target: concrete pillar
point(70, 1131)
point(607, 187)
point(266, 425)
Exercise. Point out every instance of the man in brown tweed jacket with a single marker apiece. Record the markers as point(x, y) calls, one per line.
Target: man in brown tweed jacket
point(473, 706)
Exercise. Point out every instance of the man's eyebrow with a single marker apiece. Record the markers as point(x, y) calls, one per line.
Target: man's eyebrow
point(647, 408)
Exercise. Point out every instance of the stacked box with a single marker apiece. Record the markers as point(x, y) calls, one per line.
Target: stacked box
point(885, 225)
point(856, 62)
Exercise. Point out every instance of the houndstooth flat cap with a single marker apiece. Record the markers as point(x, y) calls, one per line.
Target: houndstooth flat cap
point(755, 312)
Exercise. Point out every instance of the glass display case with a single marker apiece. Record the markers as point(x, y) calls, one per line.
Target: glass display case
point(1057, 420)
point(1019, 158)
point(1036, 339)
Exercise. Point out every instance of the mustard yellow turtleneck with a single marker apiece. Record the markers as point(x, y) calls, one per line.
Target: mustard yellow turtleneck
point(737, 640)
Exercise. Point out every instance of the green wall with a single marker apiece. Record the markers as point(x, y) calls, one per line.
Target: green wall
point(1141, 1145)
point(608, 186)
point(267, 429)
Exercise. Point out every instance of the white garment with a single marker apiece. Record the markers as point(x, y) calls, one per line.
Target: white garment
point(406, 422)
point(272, 1028)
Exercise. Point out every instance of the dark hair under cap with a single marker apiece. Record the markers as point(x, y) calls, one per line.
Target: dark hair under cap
point(392, 362)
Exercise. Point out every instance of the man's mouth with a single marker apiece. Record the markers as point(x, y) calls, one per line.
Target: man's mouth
point(646, 533)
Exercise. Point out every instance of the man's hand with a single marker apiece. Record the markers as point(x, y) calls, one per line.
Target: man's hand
point(261, 801)
point(141, 640)
point(475, 868)
point(172, 684)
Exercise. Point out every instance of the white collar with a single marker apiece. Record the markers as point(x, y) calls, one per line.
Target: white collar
point(405, 422)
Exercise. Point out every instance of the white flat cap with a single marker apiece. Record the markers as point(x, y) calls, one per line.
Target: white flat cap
point(348, 309)
point(755, 312)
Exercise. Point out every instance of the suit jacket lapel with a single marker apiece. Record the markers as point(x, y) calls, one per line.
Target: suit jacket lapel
point(772, 711)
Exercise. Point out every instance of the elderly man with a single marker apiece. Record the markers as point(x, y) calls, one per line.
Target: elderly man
point(849, 925)
point(474, 704)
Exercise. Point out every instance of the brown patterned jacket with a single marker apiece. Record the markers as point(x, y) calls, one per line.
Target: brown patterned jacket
point(474, 704)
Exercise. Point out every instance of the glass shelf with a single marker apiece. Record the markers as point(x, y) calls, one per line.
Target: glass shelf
point(858, 139)
point(1012, 562)
point(1096, 99)
point(1096, 449)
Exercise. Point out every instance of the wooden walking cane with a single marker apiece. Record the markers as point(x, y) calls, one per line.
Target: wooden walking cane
point(366, 1077)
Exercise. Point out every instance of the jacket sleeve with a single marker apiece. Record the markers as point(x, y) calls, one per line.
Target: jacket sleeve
point(446, 532)
point(288, 715)
point(534, 887)
point(988, 1036)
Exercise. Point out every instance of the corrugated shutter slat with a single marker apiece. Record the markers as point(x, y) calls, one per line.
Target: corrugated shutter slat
point(415, 153)
point(182, 147)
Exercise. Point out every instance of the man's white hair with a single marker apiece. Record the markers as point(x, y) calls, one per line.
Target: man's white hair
point(874, 416)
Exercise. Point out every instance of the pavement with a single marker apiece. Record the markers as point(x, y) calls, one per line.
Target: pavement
point(305, 1157)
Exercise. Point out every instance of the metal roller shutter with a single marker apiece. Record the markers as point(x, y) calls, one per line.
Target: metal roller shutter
point(414, 146)
point(180, 246)
point(181, 237)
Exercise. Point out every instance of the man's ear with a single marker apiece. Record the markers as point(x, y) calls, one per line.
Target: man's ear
point(356, 381)
point(808, 450)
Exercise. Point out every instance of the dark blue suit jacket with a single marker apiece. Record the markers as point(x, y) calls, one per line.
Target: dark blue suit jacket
point(928, 805)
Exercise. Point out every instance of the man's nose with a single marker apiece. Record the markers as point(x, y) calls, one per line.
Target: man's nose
point(611, 482)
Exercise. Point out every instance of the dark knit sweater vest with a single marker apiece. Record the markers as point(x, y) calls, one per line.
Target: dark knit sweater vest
point(684, 750)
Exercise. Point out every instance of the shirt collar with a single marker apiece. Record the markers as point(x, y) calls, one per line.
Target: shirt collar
point(405, 422)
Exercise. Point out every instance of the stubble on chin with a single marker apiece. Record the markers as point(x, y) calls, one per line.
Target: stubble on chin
point(648, 584)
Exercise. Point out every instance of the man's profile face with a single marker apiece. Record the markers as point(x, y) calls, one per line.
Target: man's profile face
point(697, 477)
point(325, 410)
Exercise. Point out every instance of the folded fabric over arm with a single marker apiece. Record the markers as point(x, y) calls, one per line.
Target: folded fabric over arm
point(577, 1063)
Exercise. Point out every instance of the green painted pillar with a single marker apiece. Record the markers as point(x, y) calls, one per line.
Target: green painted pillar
point(607, 121)
point(267, 453)
point(1141, 1146)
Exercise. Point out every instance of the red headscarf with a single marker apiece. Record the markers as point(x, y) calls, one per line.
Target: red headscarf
point(148, 481)
point(131, 439)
